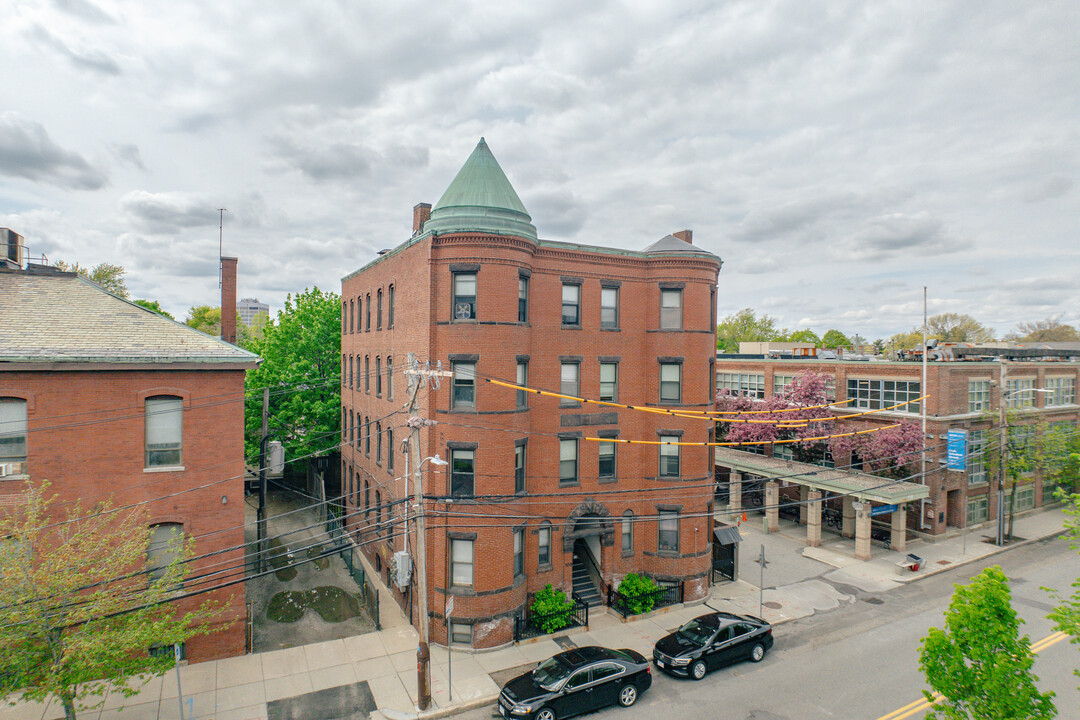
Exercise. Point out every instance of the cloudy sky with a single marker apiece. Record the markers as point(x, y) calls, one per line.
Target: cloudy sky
point(837, 155)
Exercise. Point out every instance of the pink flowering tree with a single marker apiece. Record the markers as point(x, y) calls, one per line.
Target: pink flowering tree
point(892, 452)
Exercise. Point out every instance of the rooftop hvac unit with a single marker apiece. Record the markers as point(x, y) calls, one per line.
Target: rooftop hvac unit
point(401, 569)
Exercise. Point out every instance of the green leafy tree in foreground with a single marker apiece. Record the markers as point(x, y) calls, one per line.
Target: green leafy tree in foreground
point(979, 663)
point(77, 607)
point(301, 352)
point(107, 275)
point(639, 593)
point(552, 608)
point(154, 306)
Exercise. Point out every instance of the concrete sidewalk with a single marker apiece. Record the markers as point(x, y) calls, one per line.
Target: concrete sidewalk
point(381, 666)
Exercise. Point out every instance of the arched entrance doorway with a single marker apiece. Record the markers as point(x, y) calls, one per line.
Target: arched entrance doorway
point(589, 529)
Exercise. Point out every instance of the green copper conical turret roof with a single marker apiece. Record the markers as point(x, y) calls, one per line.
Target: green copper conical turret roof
point(481, 199)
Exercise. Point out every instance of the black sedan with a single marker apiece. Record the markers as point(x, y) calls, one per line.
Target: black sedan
point(711, 641)
point(576, 681)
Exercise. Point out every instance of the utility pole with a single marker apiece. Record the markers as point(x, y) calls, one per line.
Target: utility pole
point(1003, 456)
point(423, 651)
point(260, 521)
point(922, 407)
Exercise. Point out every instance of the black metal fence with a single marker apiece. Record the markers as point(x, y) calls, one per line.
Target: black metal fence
point(532, 626)
point(639, 604)
point(369, 593)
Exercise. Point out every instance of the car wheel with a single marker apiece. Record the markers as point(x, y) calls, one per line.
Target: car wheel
point(545, 714)
point(757, 653)
point(628, 695)
point(697, 670)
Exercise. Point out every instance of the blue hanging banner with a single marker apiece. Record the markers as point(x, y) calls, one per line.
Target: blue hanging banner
point(957, 450)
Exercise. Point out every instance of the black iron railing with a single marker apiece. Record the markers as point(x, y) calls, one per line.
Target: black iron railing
point(530, 626)
point(627, 605)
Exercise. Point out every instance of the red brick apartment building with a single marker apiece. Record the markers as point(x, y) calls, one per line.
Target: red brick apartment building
point(474, 290)
point(961, 393)
point(107, 400)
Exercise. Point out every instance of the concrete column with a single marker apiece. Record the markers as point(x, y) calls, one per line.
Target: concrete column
point(813, 519)
point(735, 495)
point(847, 529)
point(898, 541)
point(772, 512)
point(862, 531)
point(804, 495)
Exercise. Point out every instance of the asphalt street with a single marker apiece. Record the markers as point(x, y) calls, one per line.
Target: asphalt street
point(860, 660)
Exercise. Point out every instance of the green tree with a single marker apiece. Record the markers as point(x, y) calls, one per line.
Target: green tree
point(107, 275)
point(1049, 330)
point(979, 663)
point(906, 340)
point(744, 326)
point(956, 327)
point(804, 336)
point(155, 306)
point(551, 608)
point(835, 339)
point(301, 353)
point(205, 318)
point(78, 609)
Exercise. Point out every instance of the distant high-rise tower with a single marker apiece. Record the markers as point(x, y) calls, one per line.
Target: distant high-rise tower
point(249, 308)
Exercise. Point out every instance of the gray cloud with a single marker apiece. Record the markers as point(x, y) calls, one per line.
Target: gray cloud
point(84, 10)
point(338, 161)
point(129, 154)
point(86, 59)
point(897, 234)
point(168, 213)
point(27, 151)
point(557, 212)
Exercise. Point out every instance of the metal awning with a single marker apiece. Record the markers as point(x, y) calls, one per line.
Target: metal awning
point(727, 534)
point(861, 486)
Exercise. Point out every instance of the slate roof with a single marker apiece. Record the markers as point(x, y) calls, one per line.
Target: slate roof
point(672, 244)
point(54, 317)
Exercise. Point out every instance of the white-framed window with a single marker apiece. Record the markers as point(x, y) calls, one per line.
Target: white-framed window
point(464, 296)
point(670, 382)
point(464, 391)
point(571, 304)
point(13, 431)
point(519, 552)
point(164, 431)
point(461, 633)
point(568, 461)
point(606, 465)
point(1020, 392)
point(166, 545)
point(523, 381)
point(570, 379)
point(978, 510)
point(976, 458)
point(669, 456)
point(874, 394)
point(668, 531)
point(609, 382)
point(1023, 497)
point(781, 382)
point(671, 310)
point(519, 468)
point(523, 299)
point(1062, 391)
point(609, 307)
point(749, 384)
point(543, 544)
point(462, 473)
point(978, 395)
point(628, 532)
point(461, 563)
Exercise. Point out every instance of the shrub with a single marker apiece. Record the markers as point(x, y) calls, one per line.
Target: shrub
point(638, 591)
point(551, 609)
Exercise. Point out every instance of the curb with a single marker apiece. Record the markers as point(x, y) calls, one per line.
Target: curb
point(391, 714)
point(997, 551)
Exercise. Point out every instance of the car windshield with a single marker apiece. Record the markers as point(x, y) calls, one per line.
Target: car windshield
point(550, 673)
point(697, 632)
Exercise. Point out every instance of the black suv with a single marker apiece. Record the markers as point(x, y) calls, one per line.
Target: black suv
point(711, 641)
point(576, 681)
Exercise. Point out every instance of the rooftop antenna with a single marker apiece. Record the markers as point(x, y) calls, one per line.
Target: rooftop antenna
point(221, 224)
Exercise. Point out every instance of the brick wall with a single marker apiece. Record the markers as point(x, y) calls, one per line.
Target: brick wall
point(86, 437)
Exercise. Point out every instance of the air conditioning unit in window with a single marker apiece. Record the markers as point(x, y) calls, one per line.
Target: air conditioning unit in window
point(4, 472)
point(401, 568)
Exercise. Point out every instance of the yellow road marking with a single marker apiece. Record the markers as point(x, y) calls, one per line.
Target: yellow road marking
point(924, 704)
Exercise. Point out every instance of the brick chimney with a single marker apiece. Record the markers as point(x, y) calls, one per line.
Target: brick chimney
point(687, 236)
point(420, 214)
point(228, 299)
